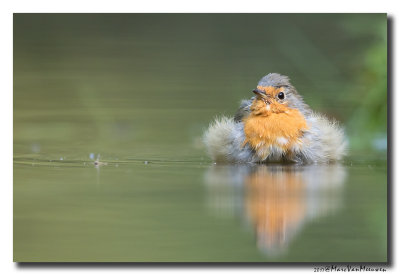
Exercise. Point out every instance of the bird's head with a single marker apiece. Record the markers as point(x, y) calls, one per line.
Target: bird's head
point(275, 94)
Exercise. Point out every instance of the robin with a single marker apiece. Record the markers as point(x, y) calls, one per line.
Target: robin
point(275, 125)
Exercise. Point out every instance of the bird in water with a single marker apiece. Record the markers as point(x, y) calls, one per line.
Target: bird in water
point(275, 125)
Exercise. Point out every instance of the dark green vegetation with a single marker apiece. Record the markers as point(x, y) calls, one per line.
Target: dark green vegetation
point(137, 88)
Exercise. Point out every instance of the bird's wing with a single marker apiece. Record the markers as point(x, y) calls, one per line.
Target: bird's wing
point(244, 110)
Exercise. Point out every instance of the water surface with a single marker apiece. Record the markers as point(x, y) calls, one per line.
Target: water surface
point(134, 210)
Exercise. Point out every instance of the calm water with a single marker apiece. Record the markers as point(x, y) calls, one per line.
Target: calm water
point(128, 210)
point(108, 159)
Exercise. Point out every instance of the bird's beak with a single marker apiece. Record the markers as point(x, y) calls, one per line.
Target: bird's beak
point(262, 95)
point(259, 93)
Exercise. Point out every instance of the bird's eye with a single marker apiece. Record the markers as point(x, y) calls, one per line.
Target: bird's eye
point(281, 95)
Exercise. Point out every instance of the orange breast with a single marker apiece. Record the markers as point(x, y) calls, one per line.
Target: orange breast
point(282, 130)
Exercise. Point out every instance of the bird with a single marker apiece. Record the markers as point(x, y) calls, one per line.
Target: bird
point(275, 126)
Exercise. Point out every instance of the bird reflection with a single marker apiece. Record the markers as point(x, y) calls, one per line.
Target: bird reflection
point(276, 201)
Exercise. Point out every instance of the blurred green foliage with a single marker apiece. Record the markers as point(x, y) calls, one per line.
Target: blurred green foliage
point(368, 124)
point(132, 83)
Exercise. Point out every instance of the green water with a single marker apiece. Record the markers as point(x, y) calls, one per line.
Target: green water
point(108, 160)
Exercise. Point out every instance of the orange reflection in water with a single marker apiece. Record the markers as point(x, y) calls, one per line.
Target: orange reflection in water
point(276, 201)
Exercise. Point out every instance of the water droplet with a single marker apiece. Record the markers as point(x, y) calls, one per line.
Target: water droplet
point(35, 147)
